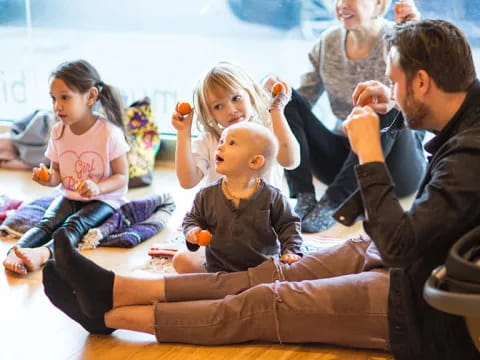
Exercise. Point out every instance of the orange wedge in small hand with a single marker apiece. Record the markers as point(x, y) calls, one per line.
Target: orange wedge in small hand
point(79, 186)
point(184, 108)
point(204, 238)
point(277, 89)
point(43, 174)
point(368, 101)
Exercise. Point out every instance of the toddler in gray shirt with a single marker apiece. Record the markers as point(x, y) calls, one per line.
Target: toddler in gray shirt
point(250, 220)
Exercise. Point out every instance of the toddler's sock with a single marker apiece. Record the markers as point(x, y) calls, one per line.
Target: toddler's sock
point(63, 297)
point(93, 284)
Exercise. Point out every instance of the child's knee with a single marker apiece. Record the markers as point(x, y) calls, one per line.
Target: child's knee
point(186, 262)
point(178, 261)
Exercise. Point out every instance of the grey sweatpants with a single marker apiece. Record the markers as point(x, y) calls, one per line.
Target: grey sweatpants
point(337, 296)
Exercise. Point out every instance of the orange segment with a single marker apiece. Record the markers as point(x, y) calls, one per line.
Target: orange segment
point(368, 101)
point(43, 174)
point(79, 185)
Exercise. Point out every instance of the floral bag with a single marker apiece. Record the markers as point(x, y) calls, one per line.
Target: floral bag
point(144, 143)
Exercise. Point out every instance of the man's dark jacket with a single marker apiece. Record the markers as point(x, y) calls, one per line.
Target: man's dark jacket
point(415, 242)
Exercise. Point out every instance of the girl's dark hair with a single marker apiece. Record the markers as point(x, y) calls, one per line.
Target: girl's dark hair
point(437, 47)
point(81, 76)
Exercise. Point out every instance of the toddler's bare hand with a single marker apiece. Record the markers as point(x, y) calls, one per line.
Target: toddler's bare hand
point(192, 235)
point(289, 258)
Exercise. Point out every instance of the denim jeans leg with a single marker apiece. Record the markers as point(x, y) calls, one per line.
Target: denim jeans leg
point(404, 158)
point(406, 162)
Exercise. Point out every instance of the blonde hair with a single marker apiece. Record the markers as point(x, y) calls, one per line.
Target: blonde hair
point(229, 77)
point(263, 141)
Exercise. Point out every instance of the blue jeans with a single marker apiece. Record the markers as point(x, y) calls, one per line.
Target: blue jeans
point(76, 217)
point(328, 156)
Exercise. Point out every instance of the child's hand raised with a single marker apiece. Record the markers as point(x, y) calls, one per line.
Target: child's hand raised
point(269, 81)
point(405, 10)
point(281, 95)
point(41, 175)
point(182, 117)
point(281, 87)
point(192, 235)
point(289, 258)
point(87, 189)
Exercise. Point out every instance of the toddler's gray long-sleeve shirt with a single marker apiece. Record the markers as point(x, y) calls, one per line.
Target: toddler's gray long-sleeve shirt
point(261, 227)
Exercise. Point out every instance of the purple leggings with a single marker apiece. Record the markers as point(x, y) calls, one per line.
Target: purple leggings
point(336, 296)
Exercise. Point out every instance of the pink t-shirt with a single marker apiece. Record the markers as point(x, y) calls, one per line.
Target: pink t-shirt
point(87, 156)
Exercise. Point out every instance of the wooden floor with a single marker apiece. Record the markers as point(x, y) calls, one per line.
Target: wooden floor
point(31, 328)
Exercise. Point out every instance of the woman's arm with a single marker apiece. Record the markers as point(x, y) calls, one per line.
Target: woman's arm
point(311, 83)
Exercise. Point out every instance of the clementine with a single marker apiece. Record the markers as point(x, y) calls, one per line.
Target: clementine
point(204, 238)
point(277, 89)
point(399, 6)
point(184, 108)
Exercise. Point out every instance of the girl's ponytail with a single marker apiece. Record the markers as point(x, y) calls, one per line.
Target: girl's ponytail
point(111, 104)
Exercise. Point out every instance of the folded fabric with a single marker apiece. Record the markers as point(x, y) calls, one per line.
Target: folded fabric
point(134, 222)
point(15, 164)
point(26, 216)
point(7, 205)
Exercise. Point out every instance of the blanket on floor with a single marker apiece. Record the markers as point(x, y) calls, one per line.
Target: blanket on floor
point(7, 205)
point(134, 222)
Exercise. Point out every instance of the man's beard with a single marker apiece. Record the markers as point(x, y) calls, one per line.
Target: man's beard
point(414, 112)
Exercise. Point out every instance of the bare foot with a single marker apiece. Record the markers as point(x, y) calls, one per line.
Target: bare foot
point(14, 263)
point(33, 258)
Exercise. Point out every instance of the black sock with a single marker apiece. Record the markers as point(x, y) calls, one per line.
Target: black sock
point(63, 297)
point(93, 284)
